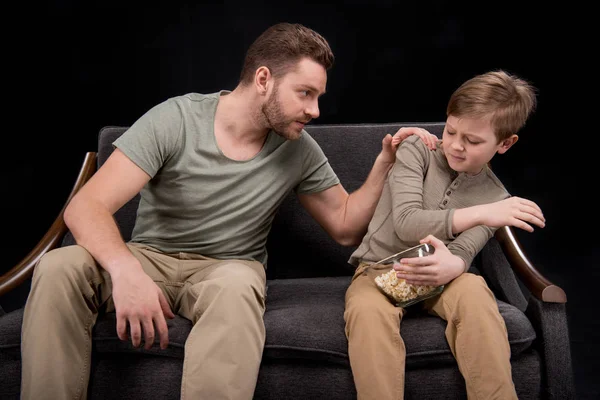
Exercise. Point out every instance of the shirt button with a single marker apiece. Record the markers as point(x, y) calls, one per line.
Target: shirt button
point(448, 192)
point(445, 202)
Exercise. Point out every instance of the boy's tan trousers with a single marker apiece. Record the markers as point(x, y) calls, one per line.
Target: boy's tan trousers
point(475, 332)
point(224, 299)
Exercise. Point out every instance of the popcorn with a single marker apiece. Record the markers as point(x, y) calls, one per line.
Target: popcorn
point(399, 290)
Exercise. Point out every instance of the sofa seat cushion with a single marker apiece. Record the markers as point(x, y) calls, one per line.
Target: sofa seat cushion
point(10, 334)
point(304, 319)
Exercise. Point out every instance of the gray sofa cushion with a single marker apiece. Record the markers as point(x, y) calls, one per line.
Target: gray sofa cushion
point(304, 320)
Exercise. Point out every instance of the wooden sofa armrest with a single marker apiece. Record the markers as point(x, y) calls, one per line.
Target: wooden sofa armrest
point(535, 282)
point(24, 269)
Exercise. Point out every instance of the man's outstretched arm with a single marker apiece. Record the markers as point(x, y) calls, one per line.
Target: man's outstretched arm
point(345, 216)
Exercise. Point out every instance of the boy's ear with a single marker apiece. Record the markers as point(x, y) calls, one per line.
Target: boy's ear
point(507, 144)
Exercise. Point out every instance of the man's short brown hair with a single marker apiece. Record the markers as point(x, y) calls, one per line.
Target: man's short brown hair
point(281, 46)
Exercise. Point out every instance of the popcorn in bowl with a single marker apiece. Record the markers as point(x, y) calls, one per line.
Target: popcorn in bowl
point(398, 290)
point(401, 292)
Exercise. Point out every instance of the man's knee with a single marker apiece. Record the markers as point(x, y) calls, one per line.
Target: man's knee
point(233, 284)
point(63, 263)
point(240, 278)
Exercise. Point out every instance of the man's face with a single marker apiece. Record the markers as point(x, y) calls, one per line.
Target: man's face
point(294, 99)
point(469, 144)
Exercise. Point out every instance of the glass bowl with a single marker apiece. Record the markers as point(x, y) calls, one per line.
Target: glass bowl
point(401, 293)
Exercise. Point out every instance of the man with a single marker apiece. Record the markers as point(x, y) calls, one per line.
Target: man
point(212, 171)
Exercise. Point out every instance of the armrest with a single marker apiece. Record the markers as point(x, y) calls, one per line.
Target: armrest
point(24, 269)
point(535, 282)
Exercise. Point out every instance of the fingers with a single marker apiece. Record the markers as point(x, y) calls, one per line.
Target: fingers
point(161, 323)
point(422, 280)
point(148, 333)
point(528, 211)
point(122, 327)
point(135, 331)
point(529, 203)
point(419, 276)
point(534, 216)
point(416, 261)
point(415, 267)
point(164, 305)
point(532, 219)
point(387, 139)
point(147, 326)
point(522, 225)
point(163, 330)
point(529, 206)
point(432, 240)
point(434, 139)
point(430, 140)
point(398, 137)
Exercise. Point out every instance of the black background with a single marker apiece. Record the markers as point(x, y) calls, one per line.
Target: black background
point(72, 67)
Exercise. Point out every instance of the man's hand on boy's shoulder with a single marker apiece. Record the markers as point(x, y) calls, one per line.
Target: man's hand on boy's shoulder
point(390, 143)
point(429, 139)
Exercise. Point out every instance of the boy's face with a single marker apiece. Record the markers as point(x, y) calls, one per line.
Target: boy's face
point(469, 143)
point(294, 98)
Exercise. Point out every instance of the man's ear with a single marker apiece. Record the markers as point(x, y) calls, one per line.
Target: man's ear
point(507, 143)
point(262, 80)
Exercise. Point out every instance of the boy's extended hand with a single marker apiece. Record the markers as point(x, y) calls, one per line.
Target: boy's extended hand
point(437, 269)
point(514, 211)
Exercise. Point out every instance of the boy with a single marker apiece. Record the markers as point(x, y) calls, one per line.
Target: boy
point(452, 200)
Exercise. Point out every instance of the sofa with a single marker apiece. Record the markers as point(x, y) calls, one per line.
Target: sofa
point(305, 355)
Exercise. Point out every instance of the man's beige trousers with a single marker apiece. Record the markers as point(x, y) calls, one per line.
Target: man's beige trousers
point(224, 299)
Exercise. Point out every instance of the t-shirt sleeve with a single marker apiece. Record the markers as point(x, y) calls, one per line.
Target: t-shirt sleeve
point(411, 221)
point(317, 174)
point(153, 138)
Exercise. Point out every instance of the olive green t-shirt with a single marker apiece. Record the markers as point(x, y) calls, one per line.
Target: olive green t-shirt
point(200, 201)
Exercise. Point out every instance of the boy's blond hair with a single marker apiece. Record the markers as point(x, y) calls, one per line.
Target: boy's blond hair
point(507, 98)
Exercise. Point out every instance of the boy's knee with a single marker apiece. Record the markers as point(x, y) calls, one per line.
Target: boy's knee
point(468, 282)
point(370, 310)
point(470, 290)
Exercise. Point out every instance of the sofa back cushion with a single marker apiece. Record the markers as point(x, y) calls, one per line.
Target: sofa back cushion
point(297, 246)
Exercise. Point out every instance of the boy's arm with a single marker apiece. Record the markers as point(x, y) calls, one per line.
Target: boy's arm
point(411, 221)
point(513, 211)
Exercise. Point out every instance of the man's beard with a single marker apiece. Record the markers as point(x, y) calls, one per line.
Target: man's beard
point(273, 113)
